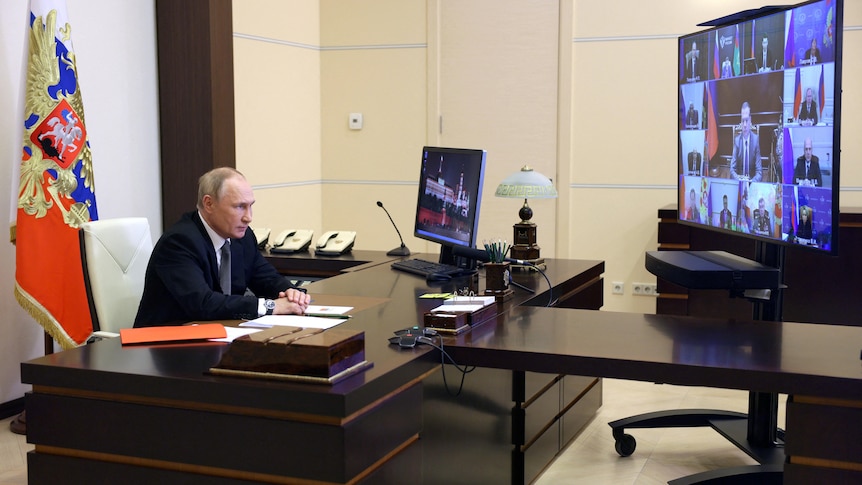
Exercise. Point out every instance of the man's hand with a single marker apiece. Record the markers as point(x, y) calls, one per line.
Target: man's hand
point(291, 302)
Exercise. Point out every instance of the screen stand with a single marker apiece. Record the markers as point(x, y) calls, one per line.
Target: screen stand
point(755, 433)
point(448, 256)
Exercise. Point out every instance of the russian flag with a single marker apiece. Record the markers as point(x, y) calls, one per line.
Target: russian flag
point(790, 48)
point(49, 283)
point(712, 121)
point(716, 73)
point(797, 99)
point(822, 94)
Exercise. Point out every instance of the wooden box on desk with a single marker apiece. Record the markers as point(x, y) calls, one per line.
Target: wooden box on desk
point(457, 319)
point(296, 351)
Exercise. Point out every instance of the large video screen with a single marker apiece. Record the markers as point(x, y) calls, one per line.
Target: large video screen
point(759, 125)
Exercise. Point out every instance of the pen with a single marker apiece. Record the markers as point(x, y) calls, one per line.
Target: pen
point(326, 315)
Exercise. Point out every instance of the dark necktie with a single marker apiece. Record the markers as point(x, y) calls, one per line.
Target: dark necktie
point(224, 268)
point(807, 164)
point(745, 159)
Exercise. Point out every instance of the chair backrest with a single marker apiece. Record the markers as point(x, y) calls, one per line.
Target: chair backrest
point(115, 254)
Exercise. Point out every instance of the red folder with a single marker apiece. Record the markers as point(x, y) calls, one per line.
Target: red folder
point(146, 335)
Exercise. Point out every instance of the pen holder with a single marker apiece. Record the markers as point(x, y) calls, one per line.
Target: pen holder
point(496, 277)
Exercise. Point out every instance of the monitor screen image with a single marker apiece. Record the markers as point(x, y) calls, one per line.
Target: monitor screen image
point(759, 125)
point(450, 194)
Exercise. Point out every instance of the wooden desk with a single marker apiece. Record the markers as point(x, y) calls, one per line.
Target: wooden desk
point(112, 414)
point(817, 365)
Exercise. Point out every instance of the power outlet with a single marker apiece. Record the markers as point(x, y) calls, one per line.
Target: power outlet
point(618, 288)
point(644, 289)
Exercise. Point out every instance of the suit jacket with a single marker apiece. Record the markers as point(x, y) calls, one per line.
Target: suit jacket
point(813, 171)
point(694, 159)
point(692, 118)
point(770, 59)
point(813, 54)
point(737, 164)
point(808, 114)
point(182, 282)
point(692, 71)
point(725, 219)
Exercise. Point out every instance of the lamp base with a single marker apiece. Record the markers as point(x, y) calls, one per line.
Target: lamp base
point(525, 252)
point(525, 246)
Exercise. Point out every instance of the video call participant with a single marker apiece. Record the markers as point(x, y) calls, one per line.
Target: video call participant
point(692, 63)
point(693, 212)
point(183, 281)
point(694, 162)
point(692, 119)
point(803, 232)
point(725, 218)
point(726, 70)
point(745, 163)
point(762, 223)
point(764, 58)
point(808, 109)
point(807, 171)
point(812, 55)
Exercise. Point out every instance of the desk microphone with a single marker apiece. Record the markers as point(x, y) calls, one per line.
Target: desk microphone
point(400, 250)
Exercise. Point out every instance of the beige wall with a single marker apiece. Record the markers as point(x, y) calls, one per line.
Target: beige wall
point(303, 69)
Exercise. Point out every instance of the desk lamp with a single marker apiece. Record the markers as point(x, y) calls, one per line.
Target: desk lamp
point(526, 184)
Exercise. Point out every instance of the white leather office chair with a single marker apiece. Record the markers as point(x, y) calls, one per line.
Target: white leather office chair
point(115, 254)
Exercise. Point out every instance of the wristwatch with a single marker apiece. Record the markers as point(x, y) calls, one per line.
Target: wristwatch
point(269, 305)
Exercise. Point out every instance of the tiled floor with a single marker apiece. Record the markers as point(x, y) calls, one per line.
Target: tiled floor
point(661, 455)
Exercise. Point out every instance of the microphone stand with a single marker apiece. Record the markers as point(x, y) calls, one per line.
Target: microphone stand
point(400, 250)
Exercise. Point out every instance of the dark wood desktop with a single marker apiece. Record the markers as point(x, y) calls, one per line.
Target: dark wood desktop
point(141, 414)
point(153, 413)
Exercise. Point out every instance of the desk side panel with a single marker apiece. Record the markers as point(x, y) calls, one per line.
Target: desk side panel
point(247, 443)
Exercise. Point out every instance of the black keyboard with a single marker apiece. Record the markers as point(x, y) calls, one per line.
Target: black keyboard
point(425, 268)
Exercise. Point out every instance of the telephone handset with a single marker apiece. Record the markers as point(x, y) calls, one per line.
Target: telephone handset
point(292, 241)
point(333, 243)
point(262, 236)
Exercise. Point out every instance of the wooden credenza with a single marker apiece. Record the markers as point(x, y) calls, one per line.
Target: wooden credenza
point(820, 288)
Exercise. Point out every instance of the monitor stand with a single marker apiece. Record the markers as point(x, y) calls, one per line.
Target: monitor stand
point(755, 433)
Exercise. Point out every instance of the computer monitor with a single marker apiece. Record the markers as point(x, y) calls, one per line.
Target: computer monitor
point(450, 194)
point(759, 125)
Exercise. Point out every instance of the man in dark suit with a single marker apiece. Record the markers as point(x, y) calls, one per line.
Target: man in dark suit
point(694, 159)
point(692, 118)
point(745, 163)
point(807, 171)
point(692, 63)
point(186, 279)
point(808, 109)
point(764, 58)
point(725, 218)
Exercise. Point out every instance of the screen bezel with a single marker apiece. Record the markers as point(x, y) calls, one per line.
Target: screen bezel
point(474, 179)
point(788, 194)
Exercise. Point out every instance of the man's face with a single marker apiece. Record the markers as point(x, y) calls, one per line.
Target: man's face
point(694, 46)
point(809, 95)
point(745, 120)
point(724, 201)
point(230, 215)
point(765, 43)
point(808, 150)
point(761, 204)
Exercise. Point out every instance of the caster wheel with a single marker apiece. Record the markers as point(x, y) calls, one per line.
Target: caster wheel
point(626, 445)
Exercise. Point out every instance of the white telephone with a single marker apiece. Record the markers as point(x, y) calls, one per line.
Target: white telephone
point(292, 241)
point(333, 243)
point(262, 235)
